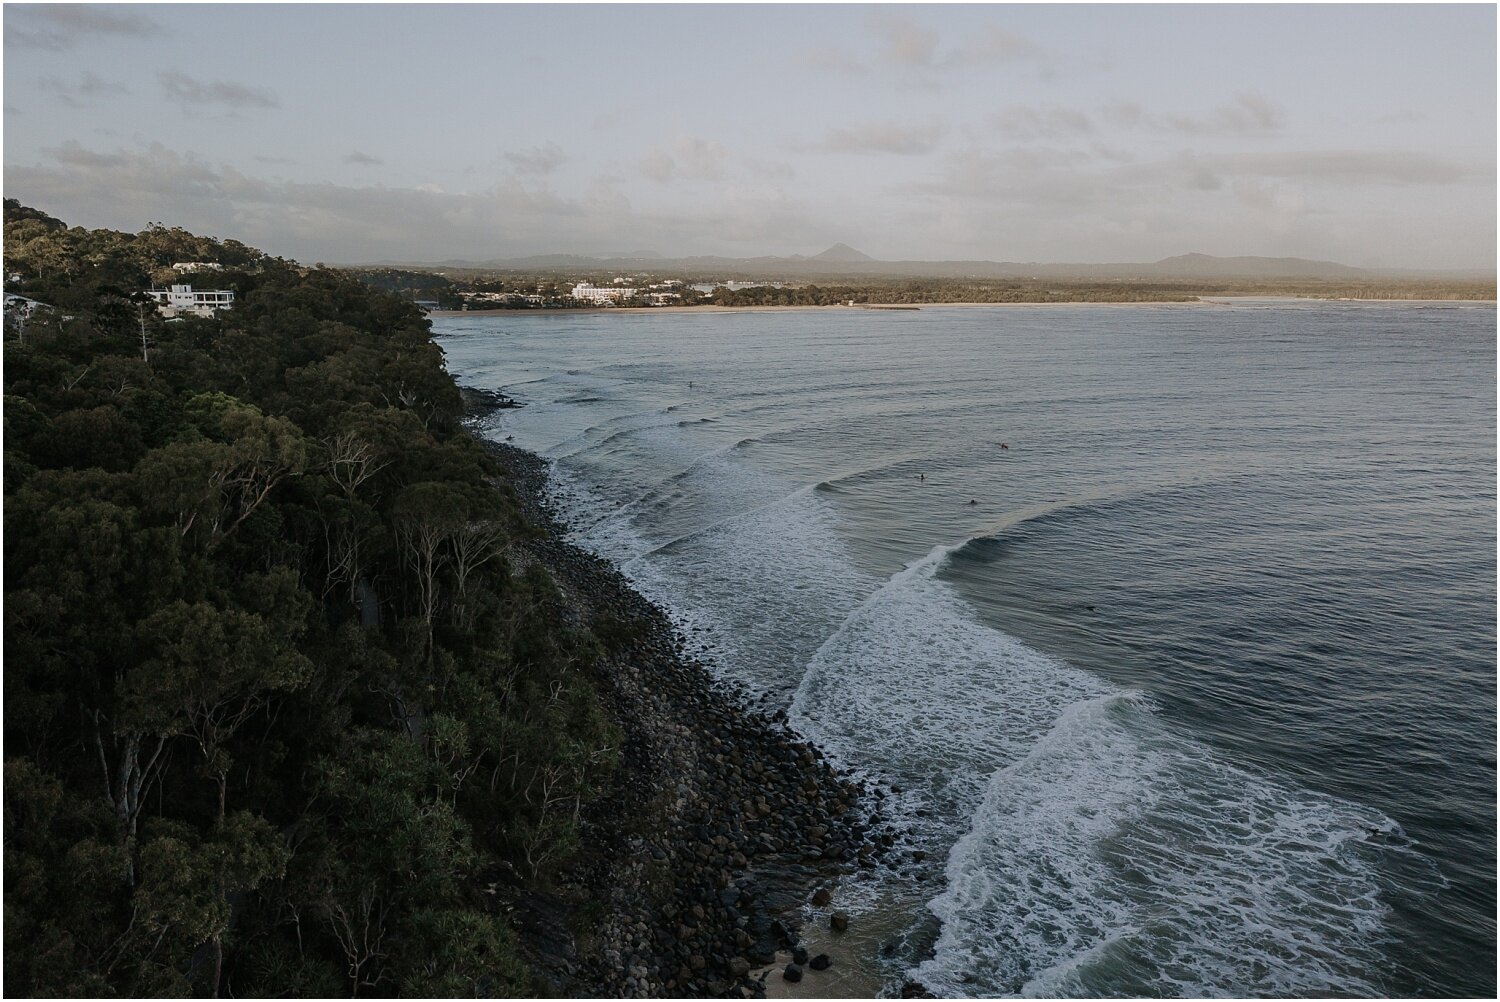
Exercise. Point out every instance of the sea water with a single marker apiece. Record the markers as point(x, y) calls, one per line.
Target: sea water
point(1168, 632)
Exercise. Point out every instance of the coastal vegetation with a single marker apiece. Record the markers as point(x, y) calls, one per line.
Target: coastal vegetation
point(280, 716)
point(480, 289)
point(937, 291)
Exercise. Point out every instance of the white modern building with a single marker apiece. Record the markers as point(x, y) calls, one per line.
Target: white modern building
point(587, 293)
point(181, 299)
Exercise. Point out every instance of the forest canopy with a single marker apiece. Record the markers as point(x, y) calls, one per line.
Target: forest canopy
point(279, 713)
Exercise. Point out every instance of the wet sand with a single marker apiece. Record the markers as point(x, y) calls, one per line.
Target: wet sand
point(863, 956)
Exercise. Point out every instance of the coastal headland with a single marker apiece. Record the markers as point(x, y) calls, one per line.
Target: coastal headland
point(369, 725)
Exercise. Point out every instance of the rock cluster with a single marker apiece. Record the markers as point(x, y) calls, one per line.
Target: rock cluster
point(719, 822)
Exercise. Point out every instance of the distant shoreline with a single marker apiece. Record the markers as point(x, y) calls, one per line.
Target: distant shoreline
point(1210, 300)
point(868, 308)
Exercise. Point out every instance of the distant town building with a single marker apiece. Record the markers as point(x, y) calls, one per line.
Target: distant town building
point(707, 289)
point(584, 292)
point(180, 299)
point(197, 266)
point(663, 298)
point(427, 305)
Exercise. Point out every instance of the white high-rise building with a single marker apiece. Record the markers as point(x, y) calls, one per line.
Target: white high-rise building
point(587, 293)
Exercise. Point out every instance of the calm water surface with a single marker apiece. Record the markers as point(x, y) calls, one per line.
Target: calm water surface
point(1187, 688)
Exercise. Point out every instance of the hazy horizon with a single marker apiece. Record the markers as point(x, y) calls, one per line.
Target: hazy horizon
point(835, 265)
point(1361, 135)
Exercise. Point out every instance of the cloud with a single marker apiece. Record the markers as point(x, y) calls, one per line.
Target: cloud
point(55, 27)
point(183, 88)
point(904, 43)
point(542, 159)
point(361, 159)
point(72, 153)
point(1378, 167)
point(1247, 113)
point(881, 137)
point(912, 50)
point(1037, 203)
point(81, 93)
point(1079, 180)
point(690, 158)
point(994, 47)
point(125, 188)
point(1025, 122)
point(1083, 183)
point(1125, 114)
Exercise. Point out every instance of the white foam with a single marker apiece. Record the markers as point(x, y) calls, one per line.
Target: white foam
point(760, 589)
point(911, 684)
point(1116, 858)
point(702, 541)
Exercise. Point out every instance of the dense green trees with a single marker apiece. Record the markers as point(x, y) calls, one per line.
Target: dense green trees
point(275, 700)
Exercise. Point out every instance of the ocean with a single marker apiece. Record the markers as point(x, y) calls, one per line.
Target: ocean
point(1167, 632)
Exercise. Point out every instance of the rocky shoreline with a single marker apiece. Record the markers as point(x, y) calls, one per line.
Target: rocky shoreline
point(720, 825)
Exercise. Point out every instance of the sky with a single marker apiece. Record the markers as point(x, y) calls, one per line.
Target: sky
point(353, 133)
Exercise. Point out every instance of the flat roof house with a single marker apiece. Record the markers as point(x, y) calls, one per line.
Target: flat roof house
point(180, 299)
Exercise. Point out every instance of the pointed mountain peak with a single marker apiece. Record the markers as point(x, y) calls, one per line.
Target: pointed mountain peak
point(841, 252)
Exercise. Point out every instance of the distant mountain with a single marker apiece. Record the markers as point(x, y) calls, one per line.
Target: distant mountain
point(841, 254)
point(1208, 266)
point(841, 262)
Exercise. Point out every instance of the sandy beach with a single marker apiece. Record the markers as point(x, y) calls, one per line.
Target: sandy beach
point(1214, 301)
point(870, 307)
